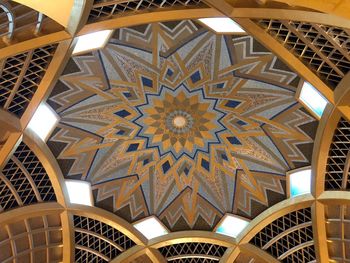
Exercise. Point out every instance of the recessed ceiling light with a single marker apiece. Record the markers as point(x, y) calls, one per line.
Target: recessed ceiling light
point(43, 121)
point(151, 227)
point(300, 182)
point(92, 41)
point(231, 225)
point(79, 192)
point(222, 25)
point(310, 96)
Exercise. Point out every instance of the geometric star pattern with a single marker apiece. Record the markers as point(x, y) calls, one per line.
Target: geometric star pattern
point(172, 120)
point(180, 122)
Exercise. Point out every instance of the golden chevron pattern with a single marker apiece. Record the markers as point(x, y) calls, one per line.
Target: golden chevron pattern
point(172, 120)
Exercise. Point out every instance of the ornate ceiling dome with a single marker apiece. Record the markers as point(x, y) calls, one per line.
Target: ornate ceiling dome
point(172, 120)
point(196, 143)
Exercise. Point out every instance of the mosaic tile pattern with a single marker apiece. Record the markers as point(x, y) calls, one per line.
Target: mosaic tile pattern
point(171, 120)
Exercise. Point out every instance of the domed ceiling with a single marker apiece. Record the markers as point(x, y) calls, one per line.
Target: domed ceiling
point(172, 120)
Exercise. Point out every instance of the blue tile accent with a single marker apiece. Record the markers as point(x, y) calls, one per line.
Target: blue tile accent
point(127, 94)
point(122, 113)
point(224, 156)
point(132, 147)
point(147, 82)
point(166, 166)
point(186, 170)
point(234, 140)
point(146, 161)
point(205, 164)
point(169, 72)
point(232, 103)
point(220, 85)
point(242, 123)
point(121, 132)
point(195, 77)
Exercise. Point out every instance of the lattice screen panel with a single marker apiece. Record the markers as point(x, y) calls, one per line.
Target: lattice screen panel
point(20, 77)
point(105, 9)
point(24, 180)
point(193, 252)
point(338, 232)
point(289, 238)
point(325, 49)
point(97, 241)
point(338, 174)
point(36, 239)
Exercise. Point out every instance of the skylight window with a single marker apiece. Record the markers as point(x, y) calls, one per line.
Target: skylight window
point(92, 41)
point(43, 121)
point(231, 225)
point(222, 25)
point(79, 192)
point(313, 99)
point(151, 228)
point(299, 182)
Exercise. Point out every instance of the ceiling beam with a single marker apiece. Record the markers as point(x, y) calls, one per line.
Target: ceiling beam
point(258, 253)
point(339, 8)
point(9, 147)
point(130, 254)
point(335, 197)
point(322, 142)
point(319, 232)
point(68, 237)
point(33, 43)
point(155, 255)
point(221, 5)
point(23, 212)
point(230, 254)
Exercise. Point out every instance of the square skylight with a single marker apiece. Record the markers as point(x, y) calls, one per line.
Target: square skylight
point(151, 227)
point(231, 225)
point(92, 41)
point(79, 192)
point(222, 25)
point(43, 121)
point(300, 182)
point(310, 96)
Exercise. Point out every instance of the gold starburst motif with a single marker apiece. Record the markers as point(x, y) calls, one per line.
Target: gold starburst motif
point(180, 121)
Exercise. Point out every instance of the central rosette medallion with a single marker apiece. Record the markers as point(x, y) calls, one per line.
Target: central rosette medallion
point(180, 121)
